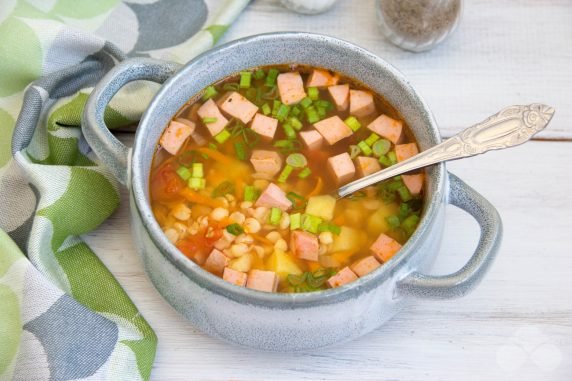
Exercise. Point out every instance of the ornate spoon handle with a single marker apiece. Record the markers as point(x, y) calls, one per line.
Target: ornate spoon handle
point(510, 127)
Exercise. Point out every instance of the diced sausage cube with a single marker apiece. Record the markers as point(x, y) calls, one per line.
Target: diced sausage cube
point(209, 110)
point(290, 87)
point(216, 262)
point(322, 78)
point(333, 129)
point(365, 265)
point(236, 105)
point(312, 139)
point(384, 248)
point(274, 197)
point(264, 126)
point(387, 127)
point(413, 182)
point(237, 278)
point(341, 96)
point(367, 165)
point(405, 151)
point(361, 103)
point(345, 275)
point(267, 162)
point(176, 134)
point(304, 245)
point(262, 280)
point(342, 167)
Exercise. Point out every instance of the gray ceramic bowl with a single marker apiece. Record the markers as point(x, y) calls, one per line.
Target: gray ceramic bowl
point(286, 321)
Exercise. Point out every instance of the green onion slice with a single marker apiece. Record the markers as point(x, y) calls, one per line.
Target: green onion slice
point(365, 148)
point(240, 150)
point(329, 227)
point(410, 224)
point(198, 171)
point(259, 74)
point(310, 223)
point(271, 94)
point(271, 77)
point(196, 183)
point(289, 131)
point(245, 79)
point(209, 120)
point(282, 112)
point(306, 102)
point(209, 93)
point(231, 86)
point(353, 123)
point(287, 145)
point(235, 229)
point(354, 151)
point(297, 160)
point(305, 173)
point(372, 139)
point(296, 123)
point(392, 157)
point(392, 221)
point(223, 188)
point(222, 136)
point(298, 202)
point(381, 147)
point(266, 109)
point(312, 115)
point(295, 221)
point(250, 193)
point(296, 280)
point(404, 194)
point(184, 173)
point(313, 93)
point(285, 173)
point(275, 215)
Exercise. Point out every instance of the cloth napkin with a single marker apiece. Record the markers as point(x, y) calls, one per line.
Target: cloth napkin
point(63, 315)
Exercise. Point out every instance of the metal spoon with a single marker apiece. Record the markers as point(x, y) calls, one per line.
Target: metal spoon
point(510, 127)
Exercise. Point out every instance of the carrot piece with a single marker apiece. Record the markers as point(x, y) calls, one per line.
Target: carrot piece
point(200, 199)
point(317, 189)
point(215, 155)
point(261, 239)
point(314, 266)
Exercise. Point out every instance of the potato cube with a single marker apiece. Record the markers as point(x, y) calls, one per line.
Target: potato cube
point(321, 206)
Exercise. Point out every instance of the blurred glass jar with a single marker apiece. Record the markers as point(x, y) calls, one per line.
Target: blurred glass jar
point(309, 7)
point(418, 25)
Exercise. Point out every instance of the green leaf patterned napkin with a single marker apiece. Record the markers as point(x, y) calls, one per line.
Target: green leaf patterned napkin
point(63, 315)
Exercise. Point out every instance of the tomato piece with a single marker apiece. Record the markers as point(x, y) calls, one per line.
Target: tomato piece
point(166, 183)
point(193, 248)
point(214, 236)
point(187, 247)
point(197, 247)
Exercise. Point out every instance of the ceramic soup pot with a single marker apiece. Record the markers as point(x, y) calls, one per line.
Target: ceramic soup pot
point(274, 321)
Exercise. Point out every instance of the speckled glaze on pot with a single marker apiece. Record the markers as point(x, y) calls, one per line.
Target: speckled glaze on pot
point(284, 322)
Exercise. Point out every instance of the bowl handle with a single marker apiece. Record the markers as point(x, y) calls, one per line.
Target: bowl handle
point(107, 147)
point(466, 279)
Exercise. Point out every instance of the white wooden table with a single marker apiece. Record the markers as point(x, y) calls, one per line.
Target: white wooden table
point(517, 325)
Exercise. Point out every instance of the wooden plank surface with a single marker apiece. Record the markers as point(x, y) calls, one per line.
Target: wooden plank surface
point(517, 325)
point(504, 53)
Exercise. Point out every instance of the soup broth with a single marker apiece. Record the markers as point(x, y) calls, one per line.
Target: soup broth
point(244, 176)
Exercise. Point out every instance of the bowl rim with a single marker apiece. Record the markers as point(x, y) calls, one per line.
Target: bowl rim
point(221, 287)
